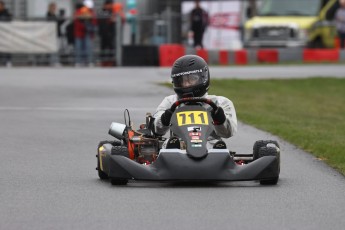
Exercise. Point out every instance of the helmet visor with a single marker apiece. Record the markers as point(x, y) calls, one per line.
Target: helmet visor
point(187, 81)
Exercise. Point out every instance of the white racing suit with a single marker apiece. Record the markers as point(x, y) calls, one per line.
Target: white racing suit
point(225, 130)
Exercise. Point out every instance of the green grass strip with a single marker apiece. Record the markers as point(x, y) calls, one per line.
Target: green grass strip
point(309, 113)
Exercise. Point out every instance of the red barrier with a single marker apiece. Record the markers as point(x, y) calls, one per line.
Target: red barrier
point(321, 55)
point(202, 53)
point(241, 57)
point(223, 57)
point(270, 56)
point(168, 53)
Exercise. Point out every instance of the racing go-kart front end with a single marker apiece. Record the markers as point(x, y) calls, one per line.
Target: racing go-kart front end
point(142, 158)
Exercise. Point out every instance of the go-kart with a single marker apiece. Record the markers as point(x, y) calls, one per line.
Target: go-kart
point(138, 154)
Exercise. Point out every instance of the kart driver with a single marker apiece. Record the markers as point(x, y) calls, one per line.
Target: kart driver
point(191, 78)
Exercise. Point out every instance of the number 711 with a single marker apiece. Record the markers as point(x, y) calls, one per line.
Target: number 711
point(192, 118)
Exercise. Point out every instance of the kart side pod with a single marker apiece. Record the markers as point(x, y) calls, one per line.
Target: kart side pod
point(117, 130)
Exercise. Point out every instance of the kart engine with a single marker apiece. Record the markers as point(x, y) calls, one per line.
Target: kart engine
point(142, 144)
point(145, 150)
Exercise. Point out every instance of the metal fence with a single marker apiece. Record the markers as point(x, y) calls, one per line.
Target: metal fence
point(144, 30)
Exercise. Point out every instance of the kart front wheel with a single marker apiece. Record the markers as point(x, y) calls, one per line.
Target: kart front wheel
point(102, 175)
point(261, 143)
point(116, 181)
point(271, 151)
point(117, 148)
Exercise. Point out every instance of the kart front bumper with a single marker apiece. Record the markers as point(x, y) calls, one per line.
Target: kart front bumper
point(176, 165)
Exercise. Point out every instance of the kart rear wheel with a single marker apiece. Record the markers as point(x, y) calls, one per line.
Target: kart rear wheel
point(259, 144)
point(116, 181)
point(270, 151)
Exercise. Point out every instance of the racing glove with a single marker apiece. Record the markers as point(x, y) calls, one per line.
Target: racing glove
point(218, 116)
point(166, 117)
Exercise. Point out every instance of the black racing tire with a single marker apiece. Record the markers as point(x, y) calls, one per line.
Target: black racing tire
point(102, 175)
point(116, 181)
point(120, 150)
point(270, 151)
point(261, 143)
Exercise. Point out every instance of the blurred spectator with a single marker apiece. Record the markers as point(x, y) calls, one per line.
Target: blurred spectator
point(61, 20)
point(131, 16)
point(84, 30)
point(106, 30)
point(51, 16)
point(69, 28)
point(66, 36)
point(340, 21)
point(51, 13)
point(62, 23)
point(199, 22)
point(5, 16)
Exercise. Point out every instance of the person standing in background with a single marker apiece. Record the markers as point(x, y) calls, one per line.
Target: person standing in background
point(131, 17)
point(84, 31)
point(51, 13)
point(61, 19)
point(106, 31)
point(199, 22)
point(52, 17)
point(5, 16)
point(340, 22)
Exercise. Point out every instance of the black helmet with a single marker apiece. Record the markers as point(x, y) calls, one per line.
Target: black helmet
point(190, 76)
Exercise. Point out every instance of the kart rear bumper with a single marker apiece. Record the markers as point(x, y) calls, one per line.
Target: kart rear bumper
point(176, 165)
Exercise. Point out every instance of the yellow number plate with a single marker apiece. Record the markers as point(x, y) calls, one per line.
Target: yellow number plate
point(192, 118)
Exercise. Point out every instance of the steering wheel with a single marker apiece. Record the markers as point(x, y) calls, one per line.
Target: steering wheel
point(193, 99)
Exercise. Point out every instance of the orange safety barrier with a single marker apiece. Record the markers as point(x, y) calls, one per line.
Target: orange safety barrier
point(267, 55)
point(223, 57)
point(321, 55)
point(168, 53)
point(241, 57)
point(202, 53)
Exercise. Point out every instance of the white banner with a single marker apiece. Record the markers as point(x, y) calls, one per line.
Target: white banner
point(28, 37)
point(224, 20)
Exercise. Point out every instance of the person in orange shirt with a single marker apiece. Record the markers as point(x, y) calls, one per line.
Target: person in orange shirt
point(84, 30)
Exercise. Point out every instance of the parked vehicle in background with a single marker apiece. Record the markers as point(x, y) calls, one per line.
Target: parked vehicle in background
point(293, 23)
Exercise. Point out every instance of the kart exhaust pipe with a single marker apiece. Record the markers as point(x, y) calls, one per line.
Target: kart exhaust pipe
point(117, 130)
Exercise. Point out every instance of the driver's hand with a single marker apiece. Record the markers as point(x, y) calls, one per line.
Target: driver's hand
point(166, 117)
point(218, 116)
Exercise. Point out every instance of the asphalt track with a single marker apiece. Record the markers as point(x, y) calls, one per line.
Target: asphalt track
point(52, 119)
